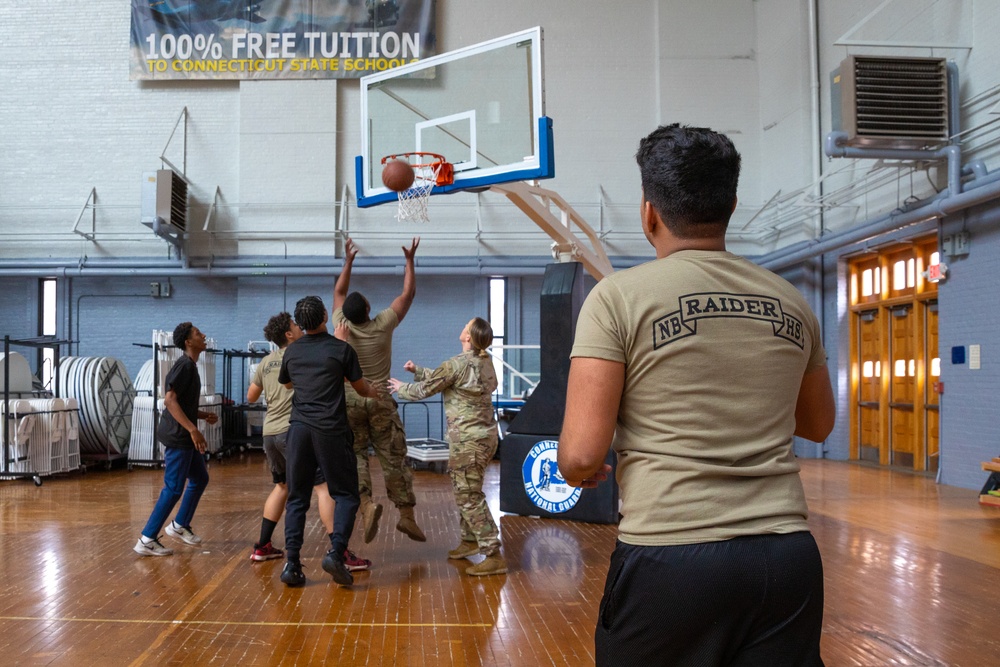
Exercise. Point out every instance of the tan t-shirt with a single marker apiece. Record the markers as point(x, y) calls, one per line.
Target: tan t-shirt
point(373, 343)
point(277, 396)
point(714, 349)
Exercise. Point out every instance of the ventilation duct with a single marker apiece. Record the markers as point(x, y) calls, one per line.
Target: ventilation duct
point(164, 200)
point(891, 102)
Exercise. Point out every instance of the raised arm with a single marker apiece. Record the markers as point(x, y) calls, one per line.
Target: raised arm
point(401, 304)
point(428, 384)
point(815, 410)
point(343, 283)
point(593, 394)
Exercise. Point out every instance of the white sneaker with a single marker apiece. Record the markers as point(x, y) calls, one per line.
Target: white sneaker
point(151, 547)
point(182, 533)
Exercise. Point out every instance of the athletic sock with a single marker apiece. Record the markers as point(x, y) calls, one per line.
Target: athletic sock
point(266, 530)
point(330, 536)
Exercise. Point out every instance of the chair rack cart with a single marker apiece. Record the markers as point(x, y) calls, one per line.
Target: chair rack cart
point(22, 439)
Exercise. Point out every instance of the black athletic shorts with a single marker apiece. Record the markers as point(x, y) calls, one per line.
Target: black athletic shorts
point(274, 450)
point(748, 601)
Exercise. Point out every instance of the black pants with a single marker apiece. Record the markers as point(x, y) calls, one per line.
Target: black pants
point(306, 449)
point(755, 600)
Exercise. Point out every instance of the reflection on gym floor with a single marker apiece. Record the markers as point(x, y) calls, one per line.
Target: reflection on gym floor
point(906, 563)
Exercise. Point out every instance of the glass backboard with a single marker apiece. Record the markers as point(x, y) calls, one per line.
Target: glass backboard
point(481, 107)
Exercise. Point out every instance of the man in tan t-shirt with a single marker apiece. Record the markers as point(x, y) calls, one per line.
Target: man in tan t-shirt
point(698, 368)
point(376, 420)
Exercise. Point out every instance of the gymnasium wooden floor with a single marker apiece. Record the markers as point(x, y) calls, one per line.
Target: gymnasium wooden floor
point(912, 578)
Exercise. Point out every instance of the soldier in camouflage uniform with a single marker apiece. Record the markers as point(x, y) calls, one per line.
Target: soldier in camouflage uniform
point(467, 382)
point(376, 420)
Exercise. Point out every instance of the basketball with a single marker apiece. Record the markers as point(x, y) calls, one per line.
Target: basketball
point(397, 175)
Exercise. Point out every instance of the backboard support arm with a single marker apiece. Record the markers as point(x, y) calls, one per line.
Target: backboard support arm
point(536, 203)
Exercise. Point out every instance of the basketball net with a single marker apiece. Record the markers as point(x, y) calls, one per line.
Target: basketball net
point(413, 201)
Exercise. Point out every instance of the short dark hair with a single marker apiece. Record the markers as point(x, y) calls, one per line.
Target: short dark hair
point(480, 335)
point(355, 308)
point(689, 175)
point(310, 312)
point(277, 327)
point(181, 333)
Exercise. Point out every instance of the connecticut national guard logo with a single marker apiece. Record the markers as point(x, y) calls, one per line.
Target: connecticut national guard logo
point(542, 481)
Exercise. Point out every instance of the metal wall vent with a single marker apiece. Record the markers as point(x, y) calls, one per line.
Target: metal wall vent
point(164, 196)
point(891, 102)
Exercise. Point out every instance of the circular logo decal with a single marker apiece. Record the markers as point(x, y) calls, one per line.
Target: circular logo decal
point(542, 482)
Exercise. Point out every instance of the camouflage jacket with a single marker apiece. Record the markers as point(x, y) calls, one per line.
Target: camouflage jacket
point(467, 382)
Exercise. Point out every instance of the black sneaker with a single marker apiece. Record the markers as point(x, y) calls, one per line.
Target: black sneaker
point(292, 574)
point(333, 563)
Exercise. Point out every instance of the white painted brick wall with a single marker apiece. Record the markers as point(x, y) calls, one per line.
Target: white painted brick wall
point(79, 123)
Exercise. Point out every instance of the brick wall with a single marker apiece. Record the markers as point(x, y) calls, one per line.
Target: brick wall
point(969, 314)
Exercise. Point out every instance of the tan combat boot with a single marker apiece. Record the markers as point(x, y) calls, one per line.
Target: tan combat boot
point(370, 514)
point(494, 564)
point(464, 550)
point(408, 525)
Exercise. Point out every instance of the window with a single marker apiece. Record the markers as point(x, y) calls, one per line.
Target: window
point(899, 275)
point(498, 321)
point(866, 280)
point(866, 283)
point(47, 327)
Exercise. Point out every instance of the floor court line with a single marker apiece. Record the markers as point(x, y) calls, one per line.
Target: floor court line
point(317, 624)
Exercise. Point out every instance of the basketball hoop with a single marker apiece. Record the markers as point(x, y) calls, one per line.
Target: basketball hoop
point(432, 170)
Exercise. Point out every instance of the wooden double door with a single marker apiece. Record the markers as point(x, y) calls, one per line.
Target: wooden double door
point(898, 407)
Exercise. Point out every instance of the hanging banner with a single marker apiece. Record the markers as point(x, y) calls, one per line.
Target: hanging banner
point(277, 39)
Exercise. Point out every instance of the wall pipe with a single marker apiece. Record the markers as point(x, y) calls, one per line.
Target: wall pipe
point(991, 179)
point(985, 187)
point(238, 267)
point(278, 272)
point(836, 146)
point(936, 209)
point(266, 262)
point(977, 168)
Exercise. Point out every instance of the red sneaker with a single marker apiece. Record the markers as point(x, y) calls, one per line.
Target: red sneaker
point(265, 552)
point(353, 563)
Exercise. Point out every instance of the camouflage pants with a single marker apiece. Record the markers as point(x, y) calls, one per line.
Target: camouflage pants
point(376, 420)
point(467, 461)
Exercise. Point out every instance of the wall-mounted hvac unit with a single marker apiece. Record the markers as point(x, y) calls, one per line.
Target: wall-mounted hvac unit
point(164, 196)
point(890, 102)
